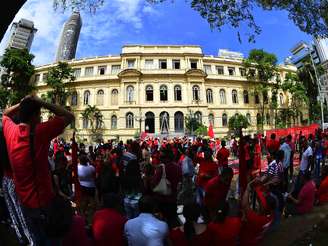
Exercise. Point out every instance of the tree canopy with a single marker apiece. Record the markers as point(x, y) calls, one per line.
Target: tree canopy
point(261, 66)
point(15, 81)
point(56, 79)
point(310, 16)
point(237, 123)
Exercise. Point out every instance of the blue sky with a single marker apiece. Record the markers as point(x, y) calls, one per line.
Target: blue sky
point(121, 22)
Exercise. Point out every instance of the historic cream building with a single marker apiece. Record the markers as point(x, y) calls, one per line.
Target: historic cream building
point(154, 87)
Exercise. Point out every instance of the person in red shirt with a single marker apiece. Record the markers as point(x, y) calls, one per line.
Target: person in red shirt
point(305, 200)
point(223, 155)
point(323, 188)
point(32, 177)
point(216, 190)
point(226, 228)
point(257, 155)
point(77, 234)
point(192, 233)
point(108, 223)
point(207, 169)
point(256, 223)
point(273, 144)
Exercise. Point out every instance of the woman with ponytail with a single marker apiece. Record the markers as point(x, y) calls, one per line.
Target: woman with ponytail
point(226, 227)
point(192, 232)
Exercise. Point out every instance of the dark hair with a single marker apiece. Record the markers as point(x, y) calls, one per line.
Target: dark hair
point(228, 171)
point(279, 155)
point(222, 212)
point(191, 212)
point(147, 204)
point(112, 200)
point(307, 175)
point(223, 143)
point(27, 109)
point(83, 159)
point(273, 136)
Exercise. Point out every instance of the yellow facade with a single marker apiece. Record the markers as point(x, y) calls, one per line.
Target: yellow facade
point(117, 85)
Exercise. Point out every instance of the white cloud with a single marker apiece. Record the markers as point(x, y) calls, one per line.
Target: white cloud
point(111, 20)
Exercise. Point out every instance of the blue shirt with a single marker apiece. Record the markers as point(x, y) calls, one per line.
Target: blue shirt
point(287, 153)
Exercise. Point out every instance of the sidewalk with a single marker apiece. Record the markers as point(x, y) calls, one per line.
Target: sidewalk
point(301, 230)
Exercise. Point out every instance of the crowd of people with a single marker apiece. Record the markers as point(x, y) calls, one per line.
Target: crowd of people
point(152, 191)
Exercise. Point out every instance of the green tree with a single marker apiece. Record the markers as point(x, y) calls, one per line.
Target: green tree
point(307, 76)
point(201, 130)
point(261, 68)
point(95, 117)
point(237, 123)
point(58, 79)
point(15, 82)
point(299, 97)
point(240, 14)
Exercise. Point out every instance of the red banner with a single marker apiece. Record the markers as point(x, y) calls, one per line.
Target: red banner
point(294, 131)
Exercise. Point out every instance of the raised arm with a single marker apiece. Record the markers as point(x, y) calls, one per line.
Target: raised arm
point(12, 111)
point(57, 110)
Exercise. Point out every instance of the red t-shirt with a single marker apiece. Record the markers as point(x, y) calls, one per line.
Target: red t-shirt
point(215, 191)
point(253, 228)
point(108, 228)
point(207, 170)
point(178, 238)
point(306, 197)
point(222, 157)
point(32, 180)
point(323, 191)
point(273, 145)
point(226, 233)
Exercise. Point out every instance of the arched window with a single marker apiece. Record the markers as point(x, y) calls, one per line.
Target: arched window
point(281, 98)
point(85, 123)
point(211, 119)
point(256, 98)
point(100, 97)
point(74, 98)
point(86, 98)
point(268, 120)
point(164, 122)
point(177, 93)
point(149, 93)
point(129, 93)
point(258, 119)
point(195, 93)
point(223, 99)
point(209, 96)
point(224, 120)
point(198, 117)
point(163, 93)
point(114, 98)
point(178, 122)
point(246, 99)
point(248, 116)
point(234, 96)
point(114, 122)
point(129, 120)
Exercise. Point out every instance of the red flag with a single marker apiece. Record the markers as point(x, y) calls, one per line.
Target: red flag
point(210, 132)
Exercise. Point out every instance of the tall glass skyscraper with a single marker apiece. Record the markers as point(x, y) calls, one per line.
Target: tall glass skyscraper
point(69, 38)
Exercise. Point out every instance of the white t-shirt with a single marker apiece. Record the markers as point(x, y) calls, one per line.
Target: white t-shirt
point(146, 230)
point(86, 175)
point(305, 158)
